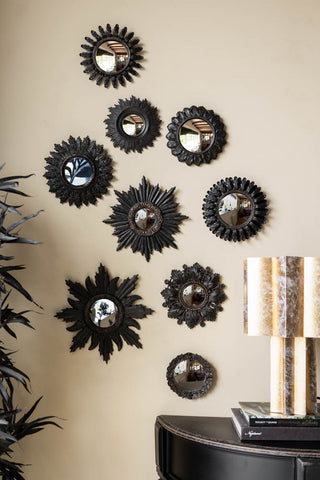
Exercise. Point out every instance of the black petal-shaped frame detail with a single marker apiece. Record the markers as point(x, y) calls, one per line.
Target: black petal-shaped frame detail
point(211, 305)
point(176, 146)
point(127, 40)
point(83, 296)
point(211, 209)
point(167, 219)
point(133, 106)
point(207, 371)
point(100, 165)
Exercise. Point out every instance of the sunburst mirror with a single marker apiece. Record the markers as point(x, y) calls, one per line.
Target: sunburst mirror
point(190, 376)
point(104, 312)
point(146, 218)
point(235, 209)
point(78, 171)
point(196, 135)
point(193, 295)
point(133, 124)
point(111, 56)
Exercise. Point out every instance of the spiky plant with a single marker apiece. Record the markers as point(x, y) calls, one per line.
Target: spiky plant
point(13, 425)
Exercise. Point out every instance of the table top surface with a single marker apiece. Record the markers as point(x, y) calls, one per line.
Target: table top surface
point(219, 432)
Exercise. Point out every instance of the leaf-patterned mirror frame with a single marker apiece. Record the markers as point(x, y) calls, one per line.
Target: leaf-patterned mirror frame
point(100, 164)
point(208, 310)
point(83, 296)
point(115, 78)
point(213, 198)
point(176, 146)
point(146, 111)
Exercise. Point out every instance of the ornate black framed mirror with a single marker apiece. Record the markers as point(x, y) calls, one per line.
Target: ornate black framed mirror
point(104, 313)
point(111, 56)
point(146, 218)
point(196, 135)
point(235, 209)
point(78, 171)
point(190, 376)
point(194, 295)
point(133, 124)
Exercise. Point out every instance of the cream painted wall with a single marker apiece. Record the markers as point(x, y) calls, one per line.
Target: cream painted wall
point(257, 64)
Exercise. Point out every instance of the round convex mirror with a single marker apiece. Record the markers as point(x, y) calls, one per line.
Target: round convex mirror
point(189, 375)
point(235, 209)
point(112, 56)
point(145, 218)
point(193, 296)
point(196, 135)
point(78, 171)
point(103, 313)
point(133, 125)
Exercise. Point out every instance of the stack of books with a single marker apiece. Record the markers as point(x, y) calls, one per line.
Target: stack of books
point(254, 421)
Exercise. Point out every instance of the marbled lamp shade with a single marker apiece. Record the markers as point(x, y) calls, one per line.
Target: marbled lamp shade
point(282, 300)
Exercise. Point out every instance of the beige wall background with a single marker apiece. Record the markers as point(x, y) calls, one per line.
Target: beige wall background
point(256, 63)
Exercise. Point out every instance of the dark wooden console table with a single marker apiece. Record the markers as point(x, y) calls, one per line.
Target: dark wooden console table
point(207, 448)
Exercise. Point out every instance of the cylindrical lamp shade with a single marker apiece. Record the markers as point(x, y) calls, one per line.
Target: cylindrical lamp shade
point(282, 296)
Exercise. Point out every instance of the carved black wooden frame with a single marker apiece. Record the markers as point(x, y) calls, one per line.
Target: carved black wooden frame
point(126, 107)
point(100, 164)
point(90, 49)
point(167, 218)
point(208, 310)
point(206, 368)
point(212, 151)
point(211, 209)
point(78, 313)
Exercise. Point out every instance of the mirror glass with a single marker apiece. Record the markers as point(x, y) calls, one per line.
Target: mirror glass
point(193, 295)
point(189, 375)
point(103, 313)
point(235, 209)
point(145, 218)
point(78, 171)
point(112, 56)
point(133, 125)
point(196, 135)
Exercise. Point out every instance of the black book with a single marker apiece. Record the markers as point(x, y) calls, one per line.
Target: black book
point(269, 433)
point(258, 414)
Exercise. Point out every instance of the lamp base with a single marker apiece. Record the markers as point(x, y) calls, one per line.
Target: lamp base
point(293, 376)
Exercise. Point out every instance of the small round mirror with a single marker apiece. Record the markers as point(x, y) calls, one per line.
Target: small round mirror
point(189, 375)
point(235, 209)
point(145, 218)
point(196, 135)
point(133, 125)
point(112, 56)
point(78, 171)
point(193, 295)
point(103, 313)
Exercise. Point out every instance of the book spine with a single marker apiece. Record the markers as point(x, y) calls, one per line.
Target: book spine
point(257, 434)
point(256, 422)
point(248, 433)
point(282, 422)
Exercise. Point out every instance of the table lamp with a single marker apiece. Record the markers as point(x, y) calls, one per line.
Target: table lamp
point(282, 301)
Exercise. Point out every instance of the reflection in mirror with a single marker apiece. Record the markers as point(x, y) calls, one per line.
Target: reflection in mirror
point(112, 56)
point(235, 209)
point(133, 125)
point(145, 219)
point(103, 313)
point(189, 375)
point(196, 135)
point(78, 171)
point(193, 295)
